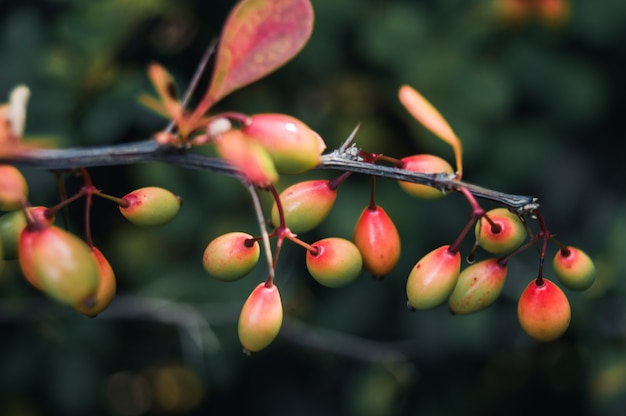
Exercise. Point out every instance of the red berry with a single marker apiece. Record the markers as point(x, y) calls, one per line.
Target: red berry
point(574, 268)
point(13, 188)
point(479, 285)
point(337, 262)
point(261, 318)
point(106, 289)
point(26, 239)
point(65, 266)
point(433, 278)
point(543, 311)
point(231, 256)
point(305, 205)
point(247, 156)
point(292, 145)
point(507, 233)
point(150, 206)
point(424, 163)
point(378, 241)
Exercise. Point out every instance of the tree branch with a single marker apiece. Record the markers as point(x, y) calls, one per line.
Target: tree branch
point(343, 159)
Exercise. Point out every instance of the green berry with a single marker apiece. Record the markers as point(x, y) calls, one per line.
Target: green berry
point(574, 269)
point(106, 288)
point(433, 278)
point(231, 256)
point(479, 285)
point(305, 205)
point(505, 235)
point(150, 206)
point(336, 262)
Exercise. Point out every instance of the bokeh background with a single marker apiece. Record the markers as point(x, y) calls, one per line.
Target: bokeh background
point(538, 101)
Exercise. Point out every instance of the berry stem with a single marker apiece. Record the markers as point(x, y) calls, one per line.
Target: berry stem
point(258, 209)
point(334, 183)
point(477, 212)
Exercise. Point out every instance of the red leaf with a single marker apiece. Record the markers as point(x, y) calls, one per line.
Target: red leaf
point(258, 37)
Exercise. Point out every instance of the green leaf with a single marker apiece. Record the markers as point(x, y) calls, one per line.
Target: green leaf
point(258, 37)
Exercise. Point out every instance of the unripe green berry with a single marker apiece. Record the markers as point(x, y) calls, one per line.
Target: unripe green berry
point(231, 256)
point(543, 311)
point(261, 318)
point(292, 145)
point(378, 241)
point(574, 269)
point(433, 278)
point(479, 285)
point(150, 206)
point(65, 266)
point(106, 288)
point(335, 263)
point(305, 205)
point(424, 163)
point(509, 232)
point(13, 188)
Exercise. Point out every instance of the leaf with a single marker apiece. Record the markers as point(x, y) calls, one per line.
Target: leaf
point(424, 112)
point(258, 37)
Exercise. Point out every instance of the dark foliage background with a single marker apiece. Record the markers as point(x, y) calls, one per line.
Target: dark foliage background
point(539, 110)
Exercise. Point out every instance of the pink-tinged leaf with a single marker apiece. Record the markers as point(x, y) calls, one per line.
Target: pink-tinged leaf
point(424, 112)
point(258, 37)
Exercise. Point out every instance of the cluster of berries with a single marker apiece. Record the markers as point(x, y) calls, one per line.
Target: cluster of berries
point(67, 268)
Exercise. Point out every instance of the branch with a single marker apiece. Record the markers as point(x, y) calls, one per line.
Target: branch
point(343, 159)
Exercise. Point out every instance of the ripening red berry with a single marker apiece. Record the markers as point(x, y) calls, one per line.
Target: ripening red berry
point(574, 268)
point(13, 188)
point(507, 233)
point(106, 288)
point(261, 318)
point(150, 206)
point(424, 163)
point(433, 278)
point(292, 145)
point(247, 156)
point(231, 256)
point(305, 205)
point(543, 311)
point(478, 286)
point(378, 241)
point(64, 266)
point(337, 262)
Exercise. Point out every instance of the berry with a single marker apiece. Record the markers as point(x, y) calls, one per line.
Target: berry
point(292, 145)
point(424, 163)
point(231, 256)
point(150, 206)
point(478, 286)
point(11, 225)
point(543, 311)
point(378, 241)
point(261, 318)
point(337, 262)
point(65, 266)
point(507, 234)
point(305, 205)
point(433, 278)
point(106, 289)
point(574, 269)
point(26, 239)
point(13, 188)
point(247, 156)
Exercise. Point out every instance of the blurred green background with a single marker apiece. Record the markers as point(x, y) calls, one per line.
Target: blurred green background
point(539, 108)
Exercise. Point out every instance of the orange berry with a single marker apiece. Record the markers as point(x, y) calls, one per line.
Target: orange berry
point(543, 311)
point(378, 241)
point(507, 235)
point(231, 256)
point(433, 278)
point(336, 263)
point(261, 318)
point(13, 188)
point(479, 285)
point(424, 163)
